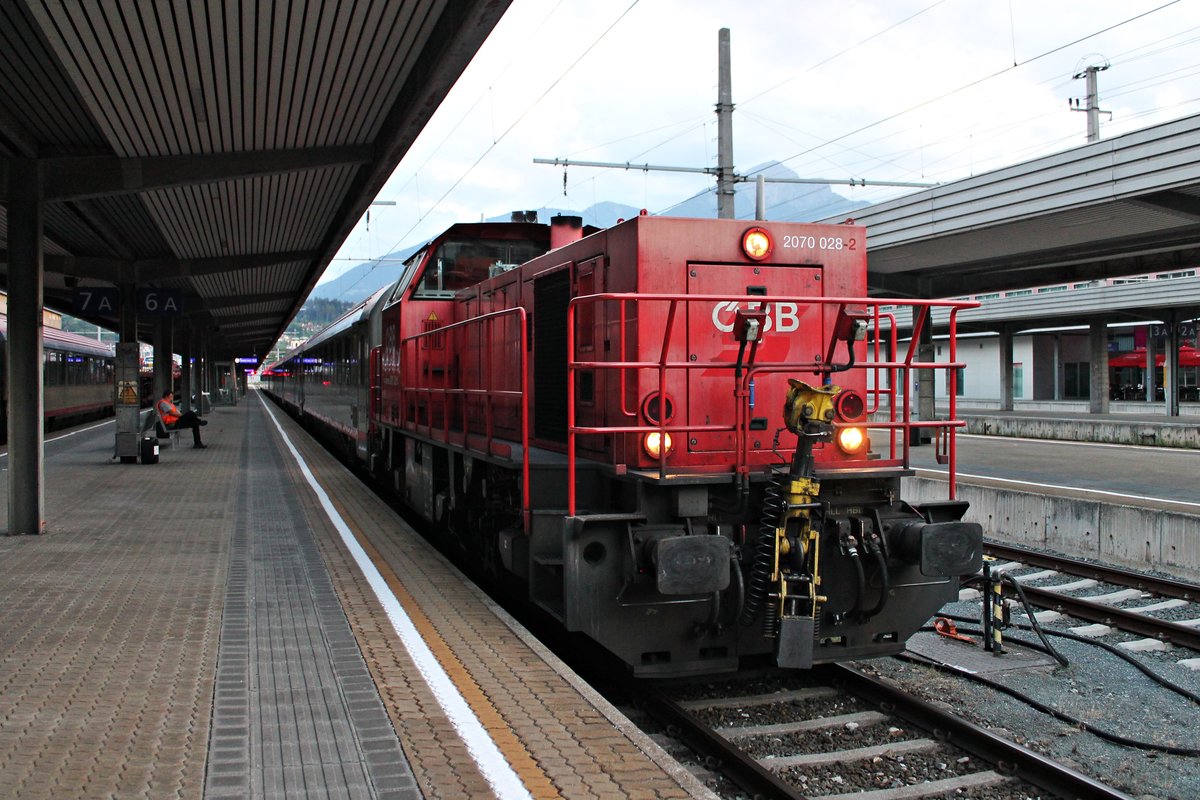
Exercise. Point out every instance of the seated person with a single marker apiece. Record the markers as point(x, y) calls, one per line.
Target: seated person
point(174, 420)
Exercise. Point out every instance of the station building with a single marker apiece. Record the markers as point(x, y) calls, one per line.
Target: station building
point(1052, 364)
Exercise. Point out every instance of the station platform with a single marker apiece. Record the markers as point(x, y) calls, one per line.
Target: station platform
point(249, 621)
point(1145, 425)
point(1142, 424)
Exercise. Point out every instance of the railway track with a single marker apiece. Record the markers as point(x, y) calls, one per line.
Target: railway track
point(849, 732)
point(1118, 587)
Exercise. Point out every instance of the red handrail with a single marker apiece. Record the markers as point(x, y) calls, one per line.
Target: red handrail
point(662, 364)
point(489, 391)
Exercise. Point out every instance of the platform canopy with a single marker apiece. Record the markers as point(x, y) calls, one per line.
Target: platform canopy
point(222, 150)
point(1119, 206)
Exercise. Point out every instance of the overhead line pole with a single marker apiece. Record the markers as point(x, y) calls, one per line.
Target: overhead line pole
point(727, 178)
point(725, 173)
point(1093, 100)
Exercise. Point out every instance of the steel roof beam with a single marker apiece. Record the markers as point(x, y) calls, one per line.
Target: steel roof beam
point(458, 34)
point(20, 138)
point(147, 269)
point(78, 177)
point(103, 228)
point(1186, 205)
point(231, 301)
point(236, 320)
point(247, 329)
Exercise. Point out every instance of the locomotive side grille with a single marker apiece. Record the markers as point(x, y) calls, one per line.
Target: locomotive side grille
point(551, 295)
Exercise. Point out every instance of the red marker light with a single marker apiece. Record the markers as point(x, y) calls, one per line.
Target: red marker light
point(756, 243)
point(850, 405)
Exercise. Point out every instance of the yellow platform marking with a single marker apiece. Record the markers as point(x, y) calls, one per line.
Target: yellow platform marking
point(531, 774)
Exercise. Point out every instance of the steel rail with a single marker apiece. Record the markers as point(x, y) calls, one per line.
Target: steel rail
point(1010, 758)
point(1166, 587)
point(1141, 624)
point(1083, 608)
point(735, 764)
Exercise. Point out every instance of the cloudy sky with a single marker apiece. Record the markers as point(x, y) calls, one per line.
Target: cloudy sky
point(884, 90)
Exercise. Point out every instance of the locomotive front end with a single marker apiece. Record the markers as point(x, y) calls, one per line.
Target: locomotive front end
point(758, 438)
point(841, 568)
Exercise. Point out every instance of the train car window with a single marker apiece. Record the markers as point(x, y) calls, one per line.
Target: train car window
point(53, 368)
point(410, 267)
point(76, 369)
point(356, 361)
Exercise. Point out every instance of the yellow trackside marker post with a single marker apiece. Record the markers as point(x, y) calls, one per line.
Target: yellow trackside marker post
point(987, 602)
point(997, 618)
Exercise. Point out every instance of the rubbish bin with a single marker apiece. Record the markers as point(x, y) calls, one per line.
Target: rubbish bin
point(149, 449)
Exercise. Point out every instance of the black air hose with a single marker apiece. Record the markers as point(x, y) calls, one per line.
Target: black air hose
point(739, 586)
point(860, 585)
point(848, 364)
point(885, 581)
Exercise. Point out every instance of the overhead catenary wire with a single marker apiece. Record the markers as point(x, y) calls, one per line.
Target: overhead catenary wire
point(815, 148)
point(503, 134)
point(841, 53)
point(1165, 42)
point(1058, 82)
point(812, 67)
point(980, 80)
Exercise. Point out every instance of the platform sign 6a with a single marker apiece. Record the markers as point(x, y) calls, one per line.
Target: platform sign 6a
point(159, 302)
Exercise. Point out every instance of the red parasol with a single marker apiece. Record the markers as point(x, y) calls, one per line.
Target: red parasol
point(1188, 357)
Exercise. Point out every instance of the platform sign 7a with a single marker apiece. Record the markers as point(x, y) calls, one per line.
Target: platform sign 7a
point(97, 301)
point(159, 302)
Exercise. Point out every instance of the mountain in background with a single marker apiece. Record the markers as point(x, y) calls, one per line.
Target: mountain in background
point(785, 202)
point(358, 283)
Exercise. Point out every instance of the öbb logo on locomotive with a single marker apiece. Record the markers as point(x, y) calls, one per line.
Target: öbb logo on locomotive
point(684, 436)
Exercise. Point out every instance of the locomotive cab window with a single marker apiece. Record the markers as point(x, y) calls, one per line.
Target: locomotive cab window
point(457, 265)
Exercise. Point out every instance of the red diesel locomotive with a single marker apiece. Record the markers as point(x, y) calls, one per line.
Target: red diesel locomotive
point(680, 433)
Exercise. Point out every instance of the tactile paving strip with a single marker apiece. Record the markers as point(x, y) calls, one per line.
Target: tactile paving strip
point(534, 713)
point(295, 711)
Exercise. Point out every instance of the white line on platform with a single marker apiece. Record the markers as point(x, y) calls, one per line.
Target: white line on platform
point(962, 475)
point(487, 756)
point(72, 433)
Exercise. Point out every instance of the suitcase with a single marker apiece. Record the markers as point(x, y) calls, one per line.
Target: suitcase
point(149, 449)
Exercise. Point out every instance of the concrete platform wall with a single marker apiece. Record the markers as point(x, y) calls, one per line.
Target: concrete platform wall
point(1137, 538)
point(1102, 430)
